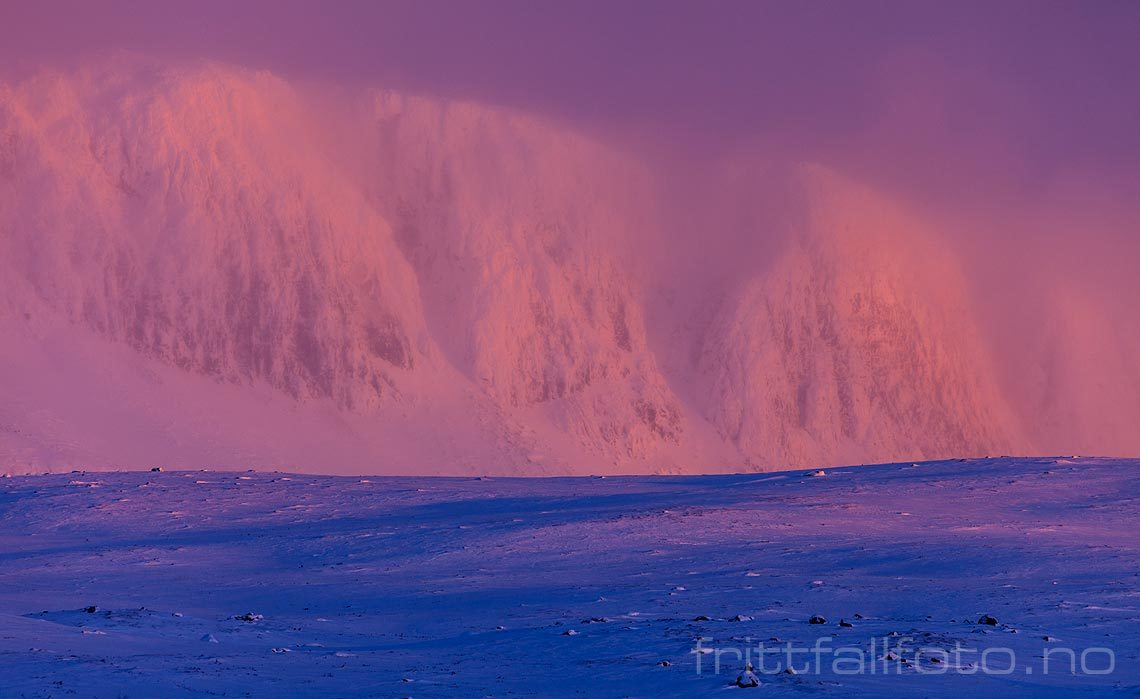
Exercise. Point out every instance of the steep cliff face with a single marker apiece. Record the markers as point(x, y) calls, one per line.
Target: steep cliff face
point(856, 345)
point(183, 214)
point(510, 225)
point(208, 266)
point(207, 218)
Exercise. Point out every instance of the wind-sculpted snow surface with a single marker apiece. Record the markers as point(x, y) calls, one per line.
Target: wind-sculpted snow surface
point(190, 584)
point(208, 266)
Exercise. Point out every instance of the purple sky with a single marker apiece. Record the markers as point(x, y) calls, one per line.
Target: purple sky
point(1015, 124)
point(1046, 85)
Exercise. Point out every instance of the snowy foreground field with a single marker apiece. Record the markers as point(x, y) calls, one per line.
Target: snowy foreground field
point(272, 585)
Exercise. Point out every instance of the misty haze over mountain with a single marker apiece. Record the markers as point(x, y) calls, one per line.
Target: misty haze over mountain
point(212, 266)
point(325, 328)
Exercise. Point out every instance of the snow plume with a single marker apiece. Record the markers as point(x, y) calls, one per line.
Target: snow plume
point(210, 266)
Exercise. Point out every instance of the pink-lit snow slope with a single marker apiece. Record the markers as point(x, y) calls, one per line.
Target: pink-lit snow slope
point(570, 586)
point(207, 266)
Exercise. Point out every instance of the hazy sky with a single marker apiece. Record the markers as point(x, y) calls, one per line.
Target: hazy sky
point(1026, 89)
point(1016, 125)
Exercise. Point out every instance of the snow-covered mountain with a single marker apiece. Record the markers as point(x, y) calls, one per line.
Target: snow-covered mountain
point(448, 266)
point(186, 216)
point(209, 266)
point(857, 343)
